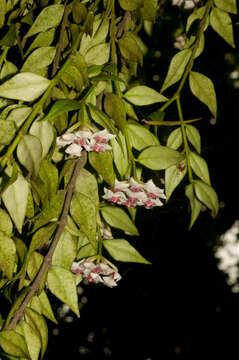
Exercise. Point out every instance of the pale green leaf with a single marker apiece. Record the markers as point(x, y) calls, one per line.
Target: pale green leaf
point(194, 137)
point(159, 157)
point(15, 199)
point(176, 68)
point(19, 115)
point(62, 106)
point(140, 137)
point(102, 119)
point(120, 154)
point(39, 59)
point(122, 250)
point(46, 307)
point(175, 139)
point(173, 176)
point(86, 184)
point(143, 95)
point(61, 283)
point(197, 14)
point(131, 5)
point(25, 86)
point(129, 48)
point(202, 87)
point(7, 132)
point(221, 22)
point(3, 10)
point(117, 218)
point(5, 223)
point(42, 236)
point(7, 255)
point(34, 264)
point(8, 70)
point(38, 323)
point(199, 166)
point(195, 205)
point(29, 153)
point(83, 211)
point(103, 164)
point(48, 18)
point(98, 54)
point(49, 175)
point(41, 40)
point(65, 251)
point(228, 5)
point(115, 108)
point(207, 195)
point(32, 339)
point(14, 344)
point(44, 131)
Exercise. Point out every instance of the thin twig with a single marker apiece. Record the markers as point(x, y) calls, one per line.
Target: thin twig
point(48, 258)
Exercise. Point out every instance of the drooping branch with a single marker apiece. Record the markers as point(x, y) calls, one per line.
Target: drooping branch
point(17, 316)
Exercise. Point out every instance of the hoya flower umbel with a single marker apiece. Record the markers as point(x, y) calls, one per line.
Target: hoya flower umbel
point(97, 273)
point(132, 194)
point(85, 139)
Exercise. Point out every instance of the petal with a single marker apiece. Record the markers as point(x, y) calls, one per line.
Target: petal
point(74, 149)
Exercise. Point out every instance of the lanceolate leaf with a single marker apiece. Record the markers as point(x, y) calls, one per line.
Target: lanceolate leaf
point(65, 251)
point(32, 339)
point(40, 58)
point(221, 22)
point(7, 255)
point(62, 106)
point(103, 164)
point(29, 153)
point(140, 137)
point(25, 86)
point(143, 95)
point(176, 68)
point(48, 18)
point(121, 250)
point(131, 5)
point(203, 88)
point(61, 283)
point(86, 184)
point(175, 139)
point(159, 157)
point(194, 137)
point(229, 5)
point(199, 166)
point(15, 199)
point(37, 321)
point(207, 195)
point(195, 205)
point(46, 307)
point(173, 176)
point(43, 130)
point(14, 344)
point(115, 108)
point(120, 154)
point(117, 218)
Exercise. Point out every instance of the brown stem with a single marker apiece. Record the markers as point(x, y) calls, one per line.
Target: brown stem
point(123, 24)
point(48, 258)
point(59, 46)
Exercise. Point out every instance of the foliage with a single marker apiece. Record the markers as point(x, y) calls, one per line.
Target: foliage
point(73, 152)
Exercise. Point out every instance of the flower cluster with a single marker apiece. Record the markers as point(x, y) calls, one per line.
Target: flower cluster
point(96, 273)
point(85, 139)
point(133, 194)
point(187, 4)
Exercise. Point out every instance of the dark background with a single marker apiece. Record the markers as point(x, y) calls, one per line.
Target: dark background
point(180, 307)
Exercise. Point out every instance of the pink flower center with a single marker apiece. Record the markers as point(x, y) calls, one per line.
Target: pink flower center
point(80, 142)
point(135, 189)
point(78, 271)
point(100, 140)
point(129, 203)
point(151, 195)
point(98, 148)
point(148, 204)
point(114, 199)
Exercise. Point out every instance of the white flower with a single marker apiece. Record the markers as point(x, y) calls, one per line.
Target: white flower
point(115, 197)
point(153, 191)
point(102, 137)
point(187, 4)
point(120, 186)
point(179, 42)
point(74, 150)
point(65, 139)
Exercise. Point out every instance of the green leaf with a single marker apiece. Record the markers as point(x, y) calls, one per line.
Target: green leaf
point(29, 153)
point(207, 195)
point(143, 95)
point(25, 86)
point(19, 115)
point(194, 137)
point(41, 40)
point(140, 137)
point(35, 304)
point(197, 14)
point(79, 12)
point(8, 70)
point(149, 10)
point(48, 18)
point(115, 108)
point(202, 87)
point(42, 236)
point(98, 54)
point(49, 175)
point(5, 223)
point(9, 38)
point(196, 206)
point(199, 166)
point(129, 48)
point(39, 59)
point(103, 164)
point(7, 132)
point(102, 119)
point(120, 154)
point(61, 283)
point(83, 211)
point(173, 176)
point(62, 106)
point(7, 255)
point(46, 307)
point(32, 339)
point(86, 184)
point(34, 264)
point(65, 251)
point(44, 131)
point(38, 323)
point(14, 344)
point(159, 157)
point(175, 139)
point(51, 212)
point(121, 250)
point(117, 218)
point(15, 199)
point(229, 5)
point(3, 10)
point(221, 22)
point(176, 68)
point(131, 5)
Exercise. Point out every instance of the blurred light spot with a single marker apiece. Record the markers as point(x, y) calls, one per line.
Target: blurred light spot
point(68, 319)
point(157, 54)
point(236, 84)
point(107, 351)
point(91, 337)
point(55, 331)
point(228, 255)
point(63, 310)
point(156, 77)
point(213, 121)
point(80, 290)
point(234, 75)
point(177, 350)
point(83, 350)
point(84, 300)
